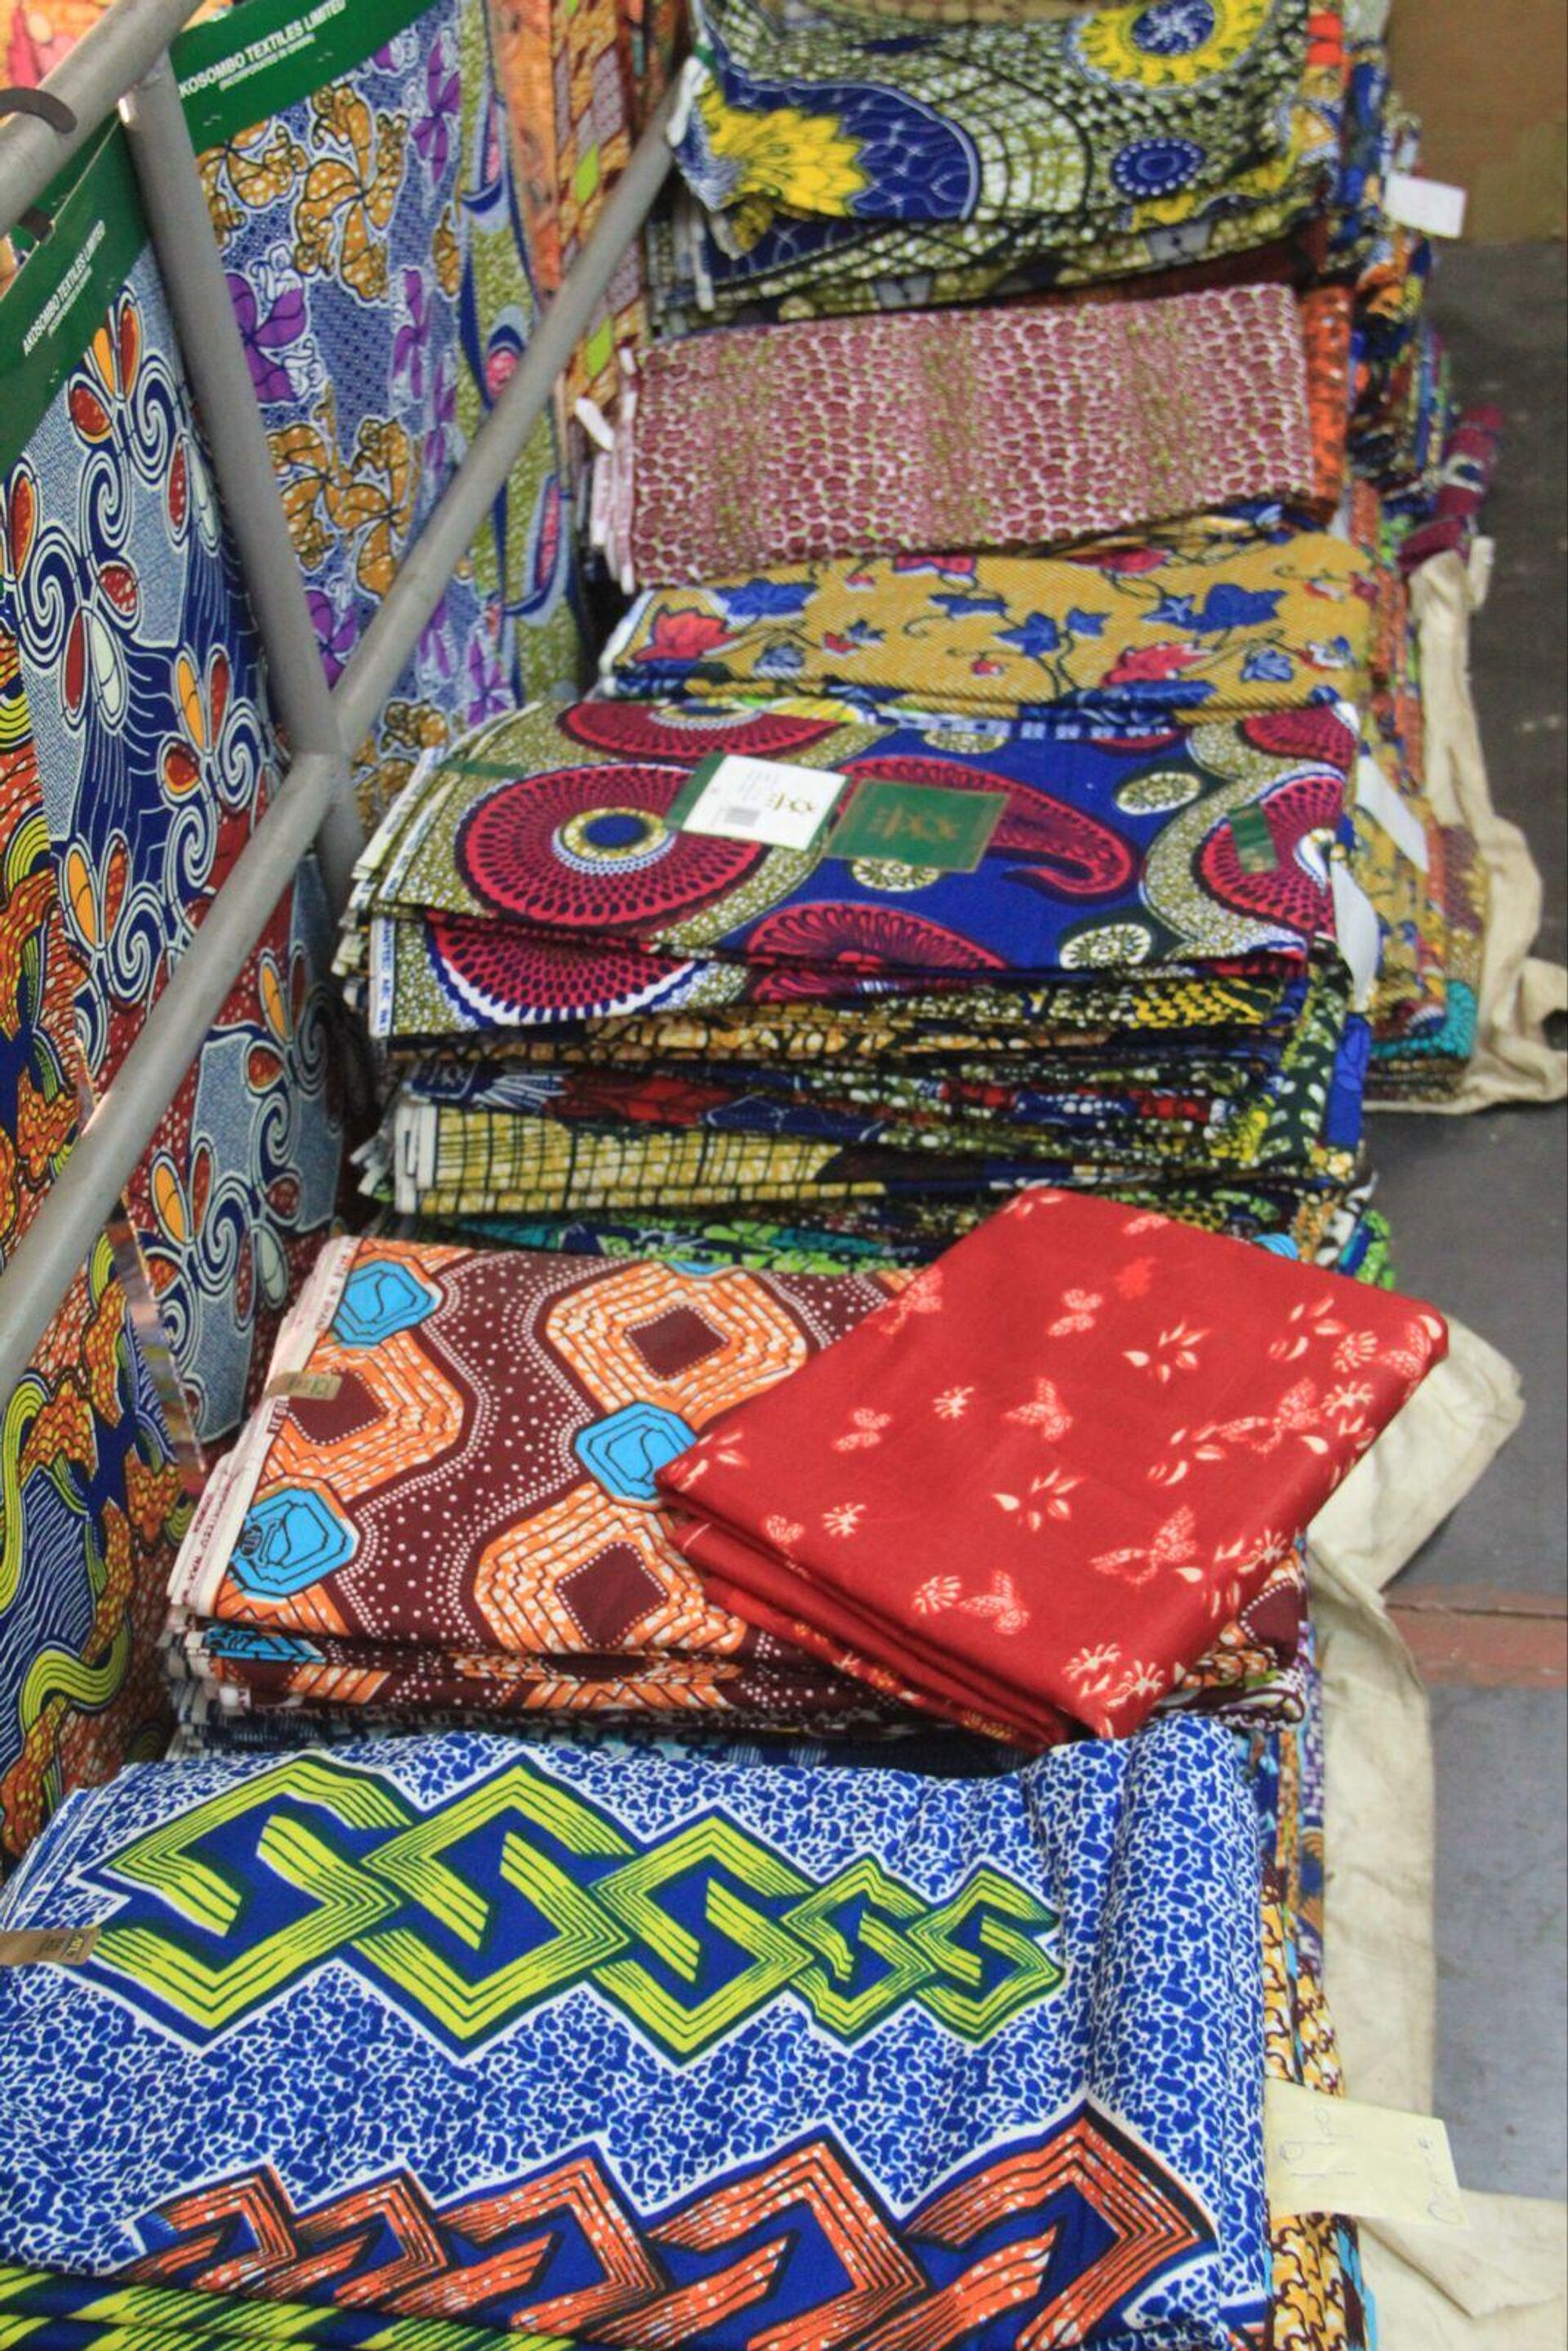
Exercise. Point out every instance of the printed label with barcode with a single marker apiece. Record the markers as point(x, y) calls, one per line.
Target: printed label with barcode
point(736, 798)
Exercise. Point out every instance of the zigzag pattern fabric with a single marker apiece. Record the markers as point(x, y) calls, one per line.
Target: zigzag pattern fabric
point(656, 2048)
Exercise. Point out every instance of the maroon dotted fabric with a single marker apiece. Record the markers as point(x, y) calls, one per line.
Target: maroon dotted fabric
point(984, 429)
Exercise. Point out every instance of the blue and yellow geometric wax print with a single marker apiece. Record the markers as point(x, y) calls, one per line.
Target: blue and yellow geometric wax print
point(552, 2036)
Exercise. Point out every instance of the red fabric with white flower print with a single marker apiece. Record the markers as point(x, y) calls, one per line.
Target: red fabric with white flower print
point(1044, 1477)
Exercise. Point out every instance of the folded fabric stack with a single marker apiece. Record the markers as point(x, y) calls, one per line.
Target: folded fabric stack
point(1124, 1424)
point(829, 167)
point(996, 428)
point(1065, 1871)
point(1122, 874)
point(444, 1504)
point(832, 165)
point(526, 1405)
point(602, 2046)
point(1108, 872)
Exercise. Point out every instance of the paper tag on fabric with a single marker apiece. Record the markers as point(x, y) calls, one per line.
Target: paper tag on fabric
point(311, 1387)
point(918, 824)
point(736, 798)
point(1377, 795)
point(1357, 931)
point(1431, 207)
point(1369, 2163)
point(57, 1946)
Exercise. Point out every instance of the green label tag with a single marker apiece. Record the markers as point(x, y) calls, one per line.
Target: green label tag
point(918, 824)
point(692, 791)
point(239, 68)
point(1255, 849)
point(53, 307)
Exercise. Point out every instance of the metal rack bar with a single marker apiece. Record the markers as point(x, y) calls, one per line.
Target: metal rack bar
point(127, 47)
point(210, 345)
point(125, 44)
point(377, 661)
point(79, 1204)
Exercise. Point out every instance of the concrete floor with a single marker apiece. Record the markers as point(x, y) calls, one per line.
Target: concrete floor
point(1479, 1214)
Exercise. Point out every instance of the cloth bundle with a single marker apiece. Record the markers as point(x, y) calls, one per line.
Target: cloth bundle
point(1119, 633)
point(830, 167)
point(989, 428)
point(1129, 959)
point(1316, 2296)
point(525, 1402)
point(957, 2055)
point(445, 1502)
point(1034, 1483)
point(359, 184)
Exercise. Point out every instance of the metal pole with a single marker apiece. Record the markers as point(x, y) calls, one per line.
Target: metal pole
point(378, 661)
point(215, 360)
point(124, 44)
point(51, 1252)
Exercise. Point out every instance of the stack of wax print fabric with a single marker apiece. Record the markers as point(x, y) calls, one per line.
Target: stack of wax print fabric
point(1012, 949)
point(611, 2044)
point(831, 166)
point(995, 427)
point(834, 164)
point(1122, 1422)
point(1212, 902)
point(526, 1404)
point(447, 1500)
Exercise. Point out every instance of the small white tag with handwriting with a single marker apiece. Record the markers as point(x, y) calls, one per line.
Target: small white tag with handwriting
point(759, 799)
point(1432, 207)
point(1400, 820)
point(1356, 929)
point(1371, 2163)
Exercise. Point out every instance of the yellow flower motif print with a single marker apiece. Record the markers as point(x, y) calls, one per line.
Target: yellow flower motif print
point(342, 211)
point(258, 168)
point(364, 494)
point(448, 254)
point(1167, 44)
point(806, 161)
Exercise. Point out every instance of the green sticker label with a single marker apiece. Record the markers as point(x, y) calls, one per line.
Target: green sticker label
point(918, 824)
point(55, 304)
point(487, 770)
point(243, 67)
point(692, 791)
point(1255, 849)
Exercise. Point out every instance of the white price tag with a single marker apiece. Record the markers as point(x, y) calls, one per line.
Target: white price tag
point(1400, 820)
point(1431, 207)
point(764, 800)
point(1356, 929)
point(1371, 2163)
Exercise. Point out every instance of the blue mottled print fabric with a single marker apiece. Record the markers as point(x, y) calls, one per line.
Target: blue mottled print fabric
point(655, 2046)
